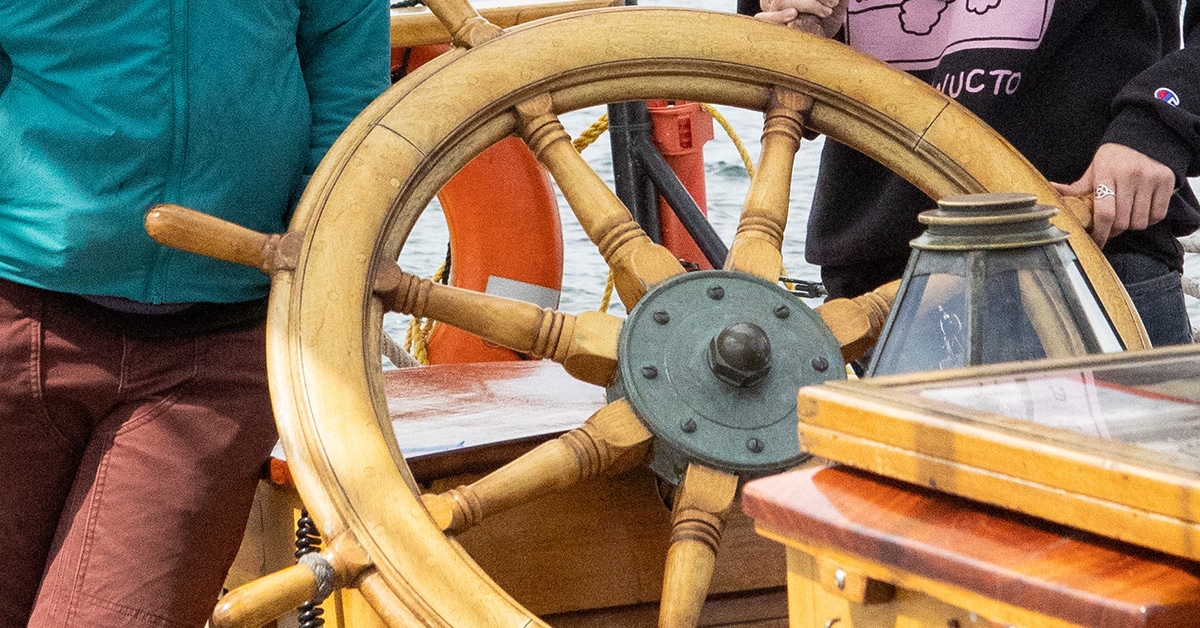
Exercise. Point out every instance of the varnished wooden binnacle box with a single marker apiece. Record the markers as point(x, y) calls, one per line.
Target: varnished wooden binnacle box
point(864, 551)
point(1109, 444)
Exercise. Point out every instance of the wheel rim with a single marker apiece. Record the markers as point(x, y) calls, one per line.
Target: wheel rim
point(324, 321)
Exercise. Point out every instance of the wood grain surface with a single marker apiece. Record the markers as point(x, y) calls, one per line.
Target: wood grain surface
point(1022, 561)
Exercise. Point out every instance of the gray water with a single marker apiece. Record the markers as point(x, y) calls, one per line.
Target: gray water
point(584, 271)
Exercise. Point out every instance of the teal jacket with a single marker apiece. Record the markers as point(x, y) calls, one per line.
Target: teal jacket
point(108, 108)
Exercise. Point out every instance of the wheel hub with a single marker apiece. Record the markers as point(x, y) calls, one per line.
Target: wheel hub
point(711, 362)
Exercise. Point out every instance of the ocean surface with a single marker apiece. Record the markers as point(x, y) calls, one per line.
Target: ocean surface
point(584, 270)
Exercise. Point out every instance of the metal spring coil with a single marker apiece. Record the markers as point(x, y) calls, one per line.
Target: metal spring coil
point(308, 541)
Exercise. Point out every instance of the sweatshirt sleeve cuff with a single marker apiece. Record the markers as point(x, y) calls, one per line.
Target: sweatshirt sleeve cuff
point(1142, 131)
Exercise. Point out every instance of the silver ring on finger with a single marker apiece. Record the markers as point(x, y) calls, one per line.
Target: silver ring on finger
point(1103, 191)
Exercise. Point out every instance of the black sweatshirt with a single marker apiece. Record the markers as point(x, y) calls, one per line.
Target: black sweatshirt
point(1055, 77)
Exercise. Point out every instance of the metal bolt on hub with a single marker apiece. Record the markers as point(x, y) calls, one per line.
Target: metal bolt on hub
point(740, 355)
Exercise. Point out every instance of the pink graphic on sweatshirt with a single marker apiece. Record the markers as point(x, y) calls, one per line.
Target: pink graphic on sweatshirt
point(916, 34)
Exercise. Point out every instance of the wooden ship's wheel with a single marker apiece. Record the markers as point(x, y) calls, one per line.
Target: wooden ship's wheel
point(701, 377)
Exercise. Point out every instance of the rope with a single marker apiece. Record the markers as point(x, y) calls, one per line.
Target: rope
point(747, 160)
point(416, 340)
point(800, 287)
point(591, 134)
point(324, 574)
point(1191, 286)
point(608, 291)
point(585, 139)
point(396, 353)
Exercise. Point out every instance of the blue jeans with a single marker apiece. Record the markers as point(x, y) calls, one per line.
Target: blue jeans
point(1157, 293)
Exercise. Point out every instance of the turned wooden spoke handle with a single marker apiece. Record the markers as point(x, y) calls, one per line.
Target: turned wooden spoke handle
point(856, 323)
point(197, 232)
point(1081, 209)
point(808, 23)
point(702, 504)
point(612, 440)
point(467, 28)
point(268, 598)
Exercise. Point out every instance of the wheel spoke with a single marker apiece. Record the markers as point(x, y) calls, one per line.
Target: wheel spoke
point(758, 242)
point(467, 28)
point(636, 261)
point(585, 344)
point(610, 442)
point(266, 599)
point(702, 503)
point(204, 234)
point(857, 322)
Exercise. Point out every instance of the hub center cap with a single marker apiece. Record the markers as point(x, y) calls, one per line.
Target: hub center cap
point(740, 355)
point(711, 361)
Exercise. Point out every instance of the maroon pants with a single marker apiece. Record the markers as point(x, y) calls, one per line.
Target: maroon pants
point(129, 452)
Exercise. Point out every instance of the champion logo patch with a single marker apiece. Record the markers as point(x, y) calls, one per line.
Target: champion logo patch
point(1167, 95)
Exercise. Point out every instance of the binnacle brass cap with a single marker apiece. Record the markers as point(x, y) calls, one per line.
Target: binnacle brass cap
point(1002, 220)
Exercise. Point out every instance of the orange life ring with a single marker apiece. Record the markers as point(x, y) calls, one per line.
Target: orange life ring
point(505, 232)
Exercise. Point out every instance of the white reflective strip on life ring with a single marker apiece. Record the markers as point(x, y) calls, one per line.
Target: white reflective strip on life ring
point(522, 291)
